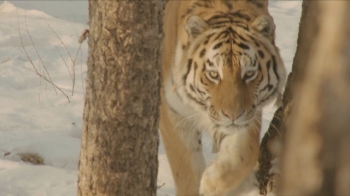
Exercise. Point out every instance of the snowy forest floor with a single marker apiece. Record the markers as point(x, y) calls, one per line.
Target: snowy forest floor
point(36, 118)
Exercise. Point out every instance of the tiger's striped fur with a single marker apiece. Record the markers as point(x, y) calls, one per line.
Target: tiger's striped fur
point(220, 67)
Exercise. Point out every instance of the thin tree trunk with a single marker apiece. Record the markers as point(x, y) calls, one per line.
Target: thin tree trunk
point(316, 158)
point(273, 140)
point(120, 133)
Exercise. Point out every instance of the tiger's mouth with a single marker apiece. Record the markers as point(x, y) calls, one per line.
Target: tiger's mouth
point(222, 121)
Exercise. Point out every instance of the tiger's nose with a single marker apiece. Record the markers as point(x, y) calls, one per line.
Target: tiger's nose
point(233, 115)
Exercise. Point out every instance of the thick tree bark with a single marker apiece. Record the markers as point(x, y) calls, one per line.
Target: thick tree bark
point(120, 133)
point(273, 141)
point(316, 156)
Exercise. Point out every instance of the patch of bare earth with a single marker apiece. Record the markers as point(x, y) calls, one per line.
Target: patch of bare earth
point(32, 158)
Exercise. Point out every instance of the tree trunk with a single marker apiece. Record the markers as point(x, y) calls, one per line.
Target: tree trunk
point(273, 141)
point(271, 145)
point(120, 133)
point(316, 156)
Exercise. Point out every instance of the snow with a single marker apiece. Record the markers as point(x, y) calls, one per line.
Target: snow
point(34, 118)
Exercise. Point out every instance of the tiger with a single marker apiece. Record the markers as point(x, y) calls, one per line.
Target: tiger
point(220, 67)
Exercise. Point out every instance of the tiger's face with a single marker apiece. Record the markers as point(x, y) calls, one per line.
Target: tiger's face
point(231, 72)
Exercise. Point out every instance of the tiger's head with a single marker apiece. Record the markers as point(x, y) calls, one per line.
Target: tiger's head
point(230, 71)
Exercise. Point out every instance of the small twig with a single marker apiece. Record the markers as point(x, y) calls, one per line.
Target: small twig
point(46, 89)
point(35, 72)
point(31, 62)
point(72, 61)
point(160, 186)
point(25, 51)
point(76, 32)
point(30, 37)
point(75, 57)
point(81, 58)
point(48, 24)
point(39, 95)
point(64, 61)
point(81, 71)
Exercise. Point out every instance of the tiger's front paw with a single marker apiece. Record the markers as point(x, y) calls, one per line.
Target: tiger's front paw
point(213, 182)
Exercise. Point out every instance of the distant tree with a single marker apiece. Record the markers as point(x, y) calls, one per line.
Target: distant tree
point(120, 133)
point(314, 117)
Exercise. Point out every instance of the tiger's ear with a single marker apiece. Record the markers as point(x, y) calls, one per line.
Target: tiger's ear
point(195, 25)
point(265, 25)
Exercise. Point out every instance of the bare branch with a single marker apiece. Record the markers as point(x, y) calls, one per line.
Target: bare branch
point(72, 60)
point(81, 55)
point(31, 62)
point(30, 37)
point(62, 59)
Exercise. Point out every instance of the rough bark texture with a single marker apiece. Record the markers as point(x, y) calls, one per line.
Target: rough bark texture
point(273, 141)
point(316, 156)
point(120, 133)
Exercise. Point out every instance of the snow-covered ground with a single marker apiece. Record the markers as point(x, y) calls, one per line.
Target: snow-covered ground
point(36, 118)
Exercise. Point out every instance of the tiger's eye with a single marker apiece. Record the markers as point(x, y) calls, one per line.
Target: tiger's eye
point(214, 74)
point(249, 73)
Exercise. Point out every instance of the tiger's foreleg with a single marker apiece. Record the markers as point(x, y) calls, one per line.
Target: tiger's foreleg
point(183, 151)
point(236, 158)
